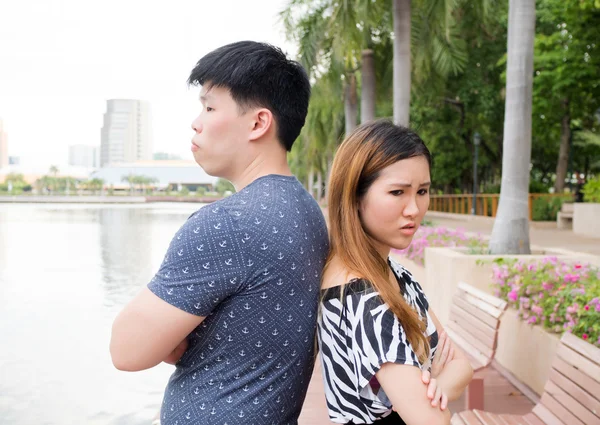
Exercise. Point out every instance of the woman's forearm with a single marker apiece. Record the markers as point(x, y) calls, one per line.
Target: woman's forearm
point(455, 377)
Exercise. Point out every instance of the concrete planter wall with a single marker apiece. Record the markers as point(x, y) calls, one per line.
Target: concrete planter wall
point(446, 267)
point(526, 351)
point(586, 220)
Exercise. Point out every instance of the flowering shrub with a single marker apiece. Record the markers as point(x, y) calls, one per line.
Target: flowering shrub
point(440, 237)
point(557, 295)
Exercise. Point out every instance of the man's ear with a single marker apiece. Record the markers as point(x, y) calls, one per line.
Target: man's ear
point(262, 123)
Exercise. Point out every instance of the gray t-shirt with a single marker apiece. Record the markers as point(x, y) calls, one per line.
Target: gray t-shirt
point(250, 263)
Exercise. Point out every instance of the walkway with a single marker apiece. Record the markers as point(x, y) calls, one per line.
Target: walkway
point(542, 234)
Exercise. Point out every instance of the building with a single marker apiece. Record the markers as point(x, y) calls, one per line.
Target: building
point(163, 156)
point(165, 174)
point(3, 147)
point(14, 160)
point(84, 156)
point(125, 135)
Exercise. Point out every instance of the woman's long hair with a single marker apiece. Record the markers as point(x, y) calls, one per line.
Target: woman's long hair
point(357, 164)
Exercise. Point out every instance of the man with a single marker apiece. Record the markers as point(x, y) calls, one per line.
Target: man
point(234, 303)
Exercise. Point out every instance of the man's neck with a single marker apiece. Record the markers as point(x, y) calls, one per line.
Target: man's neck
point(261, 167)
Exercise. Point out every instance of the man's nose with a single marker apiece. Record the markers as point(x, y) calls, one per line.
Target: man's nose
point(196, 125)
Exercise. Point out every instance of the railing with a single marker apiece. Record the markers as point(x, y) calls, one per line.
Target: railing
point(486, 203)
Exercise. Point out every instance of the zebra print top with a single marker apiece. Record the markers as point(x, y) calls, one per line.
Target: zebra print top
point(357, 334)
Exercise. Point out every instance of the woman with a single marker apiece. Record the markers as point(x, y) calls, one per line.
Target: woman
point(377, 335)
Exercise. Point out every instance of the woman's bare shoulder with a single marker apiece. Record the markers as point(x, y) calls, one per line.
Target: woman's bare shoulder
point(336, 274)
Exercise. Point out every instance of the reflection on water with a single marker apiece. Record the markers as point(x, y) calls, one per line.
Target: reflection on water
point(65, 272)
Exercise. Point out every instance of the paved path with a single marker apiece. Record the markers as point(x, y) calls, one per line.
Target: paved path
point(542, 234)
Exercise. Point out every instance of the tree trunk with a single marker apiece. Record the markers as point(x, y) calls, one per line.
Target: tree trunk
point(329, 164)
point(310, 182)
point(510, 234)
point(350, 103)
point(367, 100)
point(402, 66)
point(319, 187)
point(563, 153)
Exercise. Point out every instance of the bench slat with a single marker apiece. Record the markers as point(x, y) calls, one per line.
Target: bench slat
point(571, 404)
point(488, 341)
point(482, 305)
point(513, 420)
point(488, 418)
point(469, 418)
point(571, 388)
point(575, 375)
point(559, 410)
point(468, 348)
point(473, 341)
point(480, 314)
point(456, 420)
point(490, 299)
point(531, 419)
point(456, 311)
point(579, 362)
point(545, 415)
point(583, 348)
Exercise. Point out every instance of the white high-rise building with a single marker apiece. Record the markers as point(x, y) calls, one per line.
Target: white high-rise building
point(126, 132)
point(84, 156)
point(3, 147)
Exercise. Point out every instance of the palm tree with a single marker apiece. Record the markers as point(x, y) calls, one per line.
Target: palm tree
point(402, 61)
point(131, 179)
point(510, 234)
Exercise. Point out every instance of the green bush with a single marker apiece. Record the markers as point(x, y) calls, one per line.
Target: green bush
point(546, 209)
point(591, 190)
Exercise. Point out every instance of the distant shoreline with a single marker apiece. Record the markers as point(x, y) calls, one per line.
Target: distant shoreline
point(115, 199)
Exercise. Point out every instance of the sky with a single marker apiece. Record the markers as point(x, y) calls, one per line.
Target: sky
point(60, 60)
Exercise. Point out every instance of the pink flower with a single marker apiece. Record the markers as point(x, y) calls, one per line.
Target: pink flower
point(578, 266)
point(532, 320)
point(587, 308)
point(584, 336)
point(547, 286)
point(513, 295)
point(537, 309)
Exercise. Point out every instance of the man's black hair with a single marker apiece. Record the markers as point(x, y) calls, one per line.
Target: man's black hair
point(259, 75)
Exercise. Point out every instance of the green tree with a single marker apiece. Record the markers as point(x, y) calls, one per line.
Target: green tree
point(222, 186)
point(567, 80)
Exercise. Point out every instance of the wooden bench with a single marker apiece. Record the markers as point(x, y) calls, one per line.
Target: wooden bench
point(564, 218)
point(473, 326)
point(571, 395)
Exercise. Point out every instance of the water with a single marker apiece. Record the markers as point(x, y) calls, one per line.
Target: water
point(65, 273)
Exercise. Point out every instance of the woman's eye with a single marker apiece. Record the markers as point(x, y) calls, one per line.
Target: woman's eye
point(208, 109)
point(423, 192)
point(397, 192)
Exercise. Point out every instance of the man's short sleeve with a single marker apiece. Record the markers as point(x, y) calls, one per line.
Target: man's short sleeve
point(204, 264)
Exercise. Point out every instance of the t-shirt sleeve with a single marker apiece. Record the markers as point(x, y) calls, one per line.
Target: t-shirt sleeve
point(379, 338)
point(203, 265)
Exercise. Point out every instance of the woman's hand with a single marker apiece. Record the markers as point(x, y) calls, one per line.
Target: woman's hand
point(443, 355)
point(437, 395)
